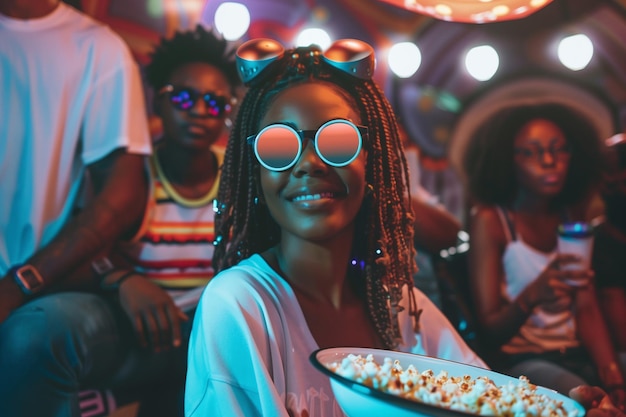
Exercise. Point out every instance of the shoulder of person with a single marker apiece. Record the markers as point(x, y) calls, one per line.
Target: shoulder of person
point(487, 219)
point(99, 39)
point(246, 291)
point(484, 214)
point(248, 276)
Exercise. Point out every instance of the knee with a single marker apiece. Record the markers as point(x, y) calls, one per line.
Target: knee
point(25, 335)
point(44, 329)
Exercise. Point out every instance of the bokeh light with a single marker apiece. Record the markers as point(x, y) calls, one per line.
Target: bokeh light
point(482, 62)
point(232, 20)
point(313, 36)
point(404, 59)
point(575, 52)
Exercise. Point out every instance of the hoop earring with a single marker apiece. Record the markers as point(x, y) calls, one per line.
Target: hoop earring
point(369, 189)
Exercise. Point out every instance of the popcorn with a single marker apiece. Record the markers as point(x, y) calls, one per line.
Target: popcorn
point(463, 393)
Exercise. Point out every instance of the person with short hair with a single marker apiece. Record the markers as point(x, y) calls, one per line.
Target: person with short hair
point(159, 273)
point(73, 107)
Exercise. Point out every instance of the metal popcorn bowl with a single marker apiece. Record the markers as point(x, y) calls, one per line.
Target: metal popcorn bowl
point(359, 400)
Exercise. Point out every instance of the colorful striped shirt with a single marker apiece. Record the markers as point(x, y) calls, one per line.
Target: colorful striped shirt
point(174, 246)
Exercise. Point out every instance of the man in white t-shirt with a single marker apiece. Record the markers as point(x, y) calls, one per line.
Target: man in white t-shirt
point(72, 104)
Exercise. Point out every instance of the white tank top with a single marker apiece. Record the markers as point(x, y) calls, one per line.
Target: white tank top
point(544, 330)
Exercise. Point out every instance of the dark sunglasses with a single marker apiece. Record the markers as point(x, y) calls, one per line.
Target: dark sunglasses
point(351, 56)
point(184, 98)
point(337, 142)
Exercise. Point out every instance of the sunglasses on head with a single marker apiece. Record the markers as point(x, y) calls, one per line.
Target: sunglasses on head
point(184, 98)
point(351, 56)
point(337, 142)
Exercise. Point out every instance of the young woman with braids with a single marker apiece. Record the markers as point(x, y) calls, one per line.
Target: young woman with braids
point(314, 243)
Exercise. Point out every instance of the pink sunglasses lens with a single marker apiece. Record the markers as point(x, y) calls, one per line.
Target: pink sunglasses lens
point(338, 143)
point(277, 147)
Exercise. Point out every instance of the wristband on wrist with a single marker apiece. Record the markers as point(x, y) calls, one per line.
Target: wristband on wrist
point(27, 278)
point(102, 267)
point(115, 284)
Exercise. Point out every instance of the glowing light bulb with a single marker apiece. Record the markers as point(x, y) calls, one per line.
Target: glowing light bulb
point(313, 36)
point(404, 59)
point(482, 62)
point(575, 52)
point(232, 20)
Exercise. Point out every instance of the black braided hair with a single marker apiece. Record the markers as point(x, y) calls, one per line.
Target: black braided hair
point(199, 45)
point(384, 225)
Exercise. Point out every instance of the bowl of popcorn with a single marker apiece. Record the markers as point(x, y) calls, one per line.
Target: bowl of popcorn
point(375, 382)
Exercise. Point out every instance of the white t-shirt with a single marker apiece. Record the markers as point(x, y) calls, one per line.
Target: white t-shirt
point(250, 346)
point(71, 94)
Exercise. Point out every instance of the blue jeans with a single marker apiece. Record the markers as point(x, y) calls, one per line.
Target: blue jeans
point(56, 345)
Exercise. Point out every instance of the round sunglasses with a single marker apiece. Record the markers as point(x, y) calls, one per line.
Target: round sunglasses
point(184, 98)
point(337, 142)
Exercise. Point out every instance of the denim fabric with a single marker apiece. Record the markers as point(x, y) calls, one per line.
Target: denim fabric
point(56, 345)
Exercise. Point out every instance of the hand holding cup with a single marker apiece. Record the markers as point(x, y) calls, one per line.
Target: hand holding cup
point(552, 288)
point(575, 239)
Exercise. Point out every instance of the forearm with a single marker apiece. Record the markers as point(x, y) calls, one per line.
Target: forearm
point(595, 337)
point(613, 307)
point(86, 276)
point(81, 278)
point(87, 235)
point(435, 228)
point(120, 186)
point(500, 320)
point(498, 328)
point(64, 264)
